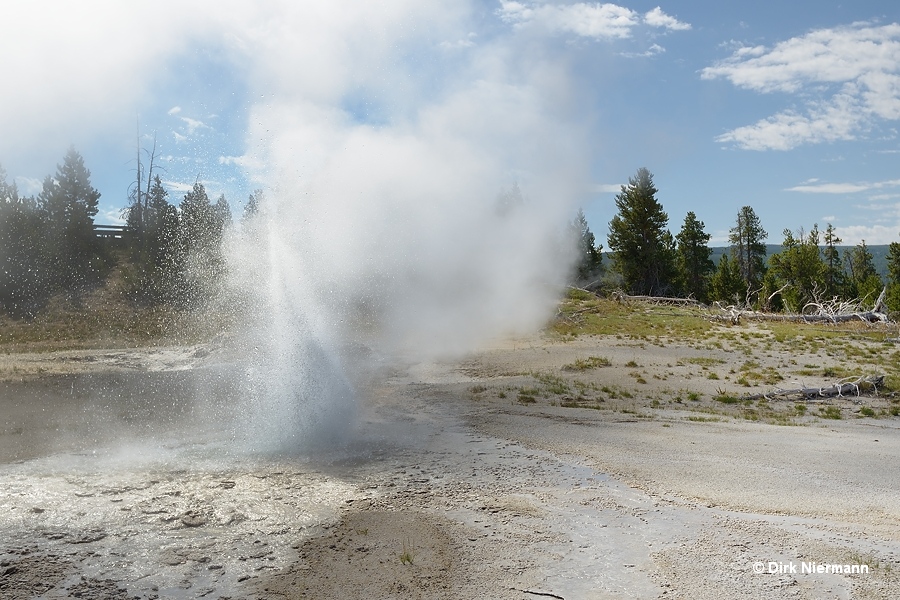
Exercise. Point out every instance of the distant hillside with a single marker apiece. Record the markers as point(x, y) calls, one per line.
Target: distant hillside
point(879, 255)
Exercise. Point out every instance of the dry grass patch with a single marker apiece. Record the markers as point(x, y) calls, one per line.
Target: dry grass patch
point(585, 364)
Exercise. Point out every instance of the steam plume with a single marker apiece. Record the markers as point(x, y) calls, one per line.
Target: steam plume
point(384, 134)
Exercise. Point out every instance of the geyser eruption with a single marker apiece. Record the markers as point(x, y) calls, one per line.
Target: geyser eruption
point(419, 227)
point(384, 134)
point(296, 394)
point(405, 245)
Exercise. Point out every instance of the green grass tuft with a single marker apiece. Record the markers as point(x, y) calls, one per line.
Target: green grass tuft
point(830, 412)
point(591, 362)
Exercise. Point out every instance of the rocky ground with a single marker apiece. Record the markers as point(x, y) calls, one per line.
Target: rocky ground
point(593, 467)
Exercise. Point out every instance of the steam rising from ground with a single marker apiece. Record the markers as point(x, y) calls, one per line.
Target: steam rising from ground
point(383, 134)
point(390, 231)
point(399, 241)
point(406, 233)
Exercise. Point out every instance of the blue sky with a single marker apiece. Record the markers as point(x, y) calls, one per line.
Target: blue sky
point(789, 107)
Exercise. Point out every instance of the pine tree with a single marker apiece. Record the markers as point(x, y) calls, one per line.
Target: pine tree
point(170, 260)
point(251, 209)
point(509, 200)
point(68, 204)
point(726, 284)
point(9, 192)
point(748, 247)
point(693, 258)
point(158, 266)
point(799, 266)
point(644, 252)
point(893, 264)
point(863, 281)
point(589, 255)
point(24, 278)
point(201, 227)
point(197, 222)
point(834, 275)
point(222, 215)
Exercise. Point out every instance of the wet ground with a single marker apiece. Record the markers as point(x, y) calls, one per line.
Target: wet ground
point(134, 485)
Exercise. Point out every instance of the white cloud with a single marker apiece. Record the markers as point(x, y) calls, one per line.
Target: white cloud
point(112, 216)
point(29, 186)
point(607, 188)
point(842, 188)
point(232, 160)
point(720, 237)
point(874, 235)
point(883, 197)
point(514, 12)
point(174, 110)
point(463, 43)
point(829, 219)
point(466, 42)
point(193, 125)
point(248, 163)
point(171, 158)
point(178, 187)
point(830, 121)
point(823, 56)
point(82, 69)
point(847, 77)
point(657, 18)
point(598, 21)
point(829, 188)
point(211, 186)
point(653, 50)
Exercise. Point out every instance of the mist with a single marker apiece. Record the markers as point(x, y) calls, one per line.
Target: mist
point(384, 137)
point(387, 229)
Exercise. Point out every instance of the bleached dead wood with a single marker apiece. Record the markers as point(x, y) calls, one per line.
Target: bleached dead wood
point(850, 386)
point(879, 304)
point(833, 311)
point(868, 316)
point(619, 296)
point(813, 312)
point(839, 311)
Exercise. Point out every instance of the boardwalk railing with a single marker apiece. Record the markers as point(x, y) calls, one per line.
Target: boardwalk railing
point(117, 236)
point(115, 232)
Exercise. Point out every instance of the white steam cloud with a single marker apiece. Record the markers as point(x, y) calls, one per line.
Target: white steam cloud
point(383, 147)
point(390, 233)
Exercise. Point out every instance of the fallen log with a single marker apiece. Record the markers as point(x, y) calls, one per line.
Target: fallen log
point(619, 296)
point(734, 316)
point(850, 386)
point(869, 316)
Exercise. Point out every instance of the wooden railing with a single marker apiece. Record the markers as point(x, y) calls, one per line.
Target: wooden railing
point(112, 232)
